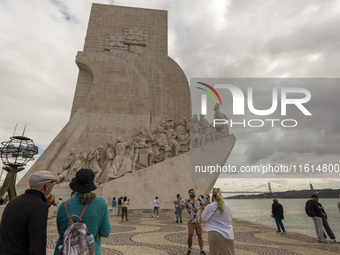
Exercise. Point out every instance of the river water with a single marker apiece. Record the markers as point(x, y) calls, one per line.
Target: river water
point(259, 210)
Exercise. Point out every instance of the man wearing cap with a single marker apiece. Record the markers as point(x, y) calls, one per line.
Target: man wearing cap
point(24, 220)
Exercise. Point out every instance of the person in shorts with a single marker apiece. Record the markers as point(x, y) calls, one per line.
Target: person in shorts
point(194, 207)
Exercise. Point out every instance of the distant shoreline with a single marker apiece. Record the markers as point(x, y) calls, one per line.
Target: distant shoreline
point(322, 193)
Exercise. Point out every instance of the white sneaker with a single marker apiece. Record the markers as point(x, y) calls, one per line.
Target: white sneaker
point(336, 241)
point(157, 216)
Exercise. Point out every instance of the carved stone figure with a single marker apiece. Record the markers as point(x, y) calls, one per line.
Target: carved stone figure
point(70, 159)
point(174, 146)
point(183, 138)
point(222, 129)
point(93, 159)
point(68, 174)
point(205, 130)
point(78, 164)
point(144, 157)
point(109, 156)
point(121, 164)
point(160, 147)
point(194, 129)
point(195, 138)
point(132, 152)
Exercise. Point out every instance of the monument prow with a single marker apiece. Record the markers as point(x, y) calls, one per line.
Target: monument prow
point(129, 121)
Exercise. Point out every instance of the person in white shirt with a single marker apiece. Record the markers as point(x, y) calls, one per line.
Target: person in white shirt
point(220, 231)
point(155, 207)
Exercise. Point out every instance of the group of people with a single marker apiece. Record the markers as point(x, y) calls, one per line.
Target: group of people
point(23, 228)
point(315, 211)
point(120, 207)
point(218, 219)
point(24, 220)
point(217, 216)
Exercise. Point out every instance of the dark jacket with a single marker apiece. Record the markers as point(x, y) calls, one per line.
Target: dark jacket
point(23, 225)
point(277, 210)
point(316, 208)
point(322, 210)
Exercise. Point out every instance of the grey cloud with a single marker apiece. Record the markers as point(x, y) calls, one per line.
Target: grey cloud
point(237, 38)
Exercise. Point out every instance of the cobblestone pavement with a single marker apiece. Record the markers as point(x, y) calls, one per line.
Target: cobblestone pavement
point(145, 235)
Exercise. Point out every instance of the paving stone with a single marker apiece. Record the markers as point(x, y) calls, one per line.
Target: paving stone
point(145, 235)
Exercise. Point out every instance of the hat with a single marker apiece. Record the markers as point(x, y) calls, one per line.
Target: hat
point(39, 179)
point(83, 182)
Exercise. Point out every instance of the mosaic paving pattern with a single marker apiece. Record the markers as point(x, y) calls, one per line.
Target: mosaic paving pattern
point(145, 235)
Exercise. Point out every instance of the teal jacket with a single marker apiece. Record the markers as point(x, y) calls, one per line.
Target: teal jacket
point(96, 218)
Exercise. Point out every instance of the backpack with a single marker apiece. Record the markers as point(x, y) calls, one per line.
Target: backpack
point(74, 239)
point(310, 210)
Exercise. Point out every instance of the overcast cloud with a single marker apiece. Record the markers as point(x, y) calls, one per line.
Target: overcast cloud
point(240, 38)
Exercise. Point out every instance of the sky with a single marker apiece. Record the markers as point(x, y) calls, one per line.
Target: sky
point(236, 39)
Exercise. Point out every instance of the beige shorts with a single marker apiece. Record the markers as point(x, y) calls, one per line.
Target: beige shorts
point(195, 226)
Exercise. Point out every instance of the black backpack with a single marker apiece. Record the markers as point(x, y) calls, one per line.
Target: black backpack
point(310, 209)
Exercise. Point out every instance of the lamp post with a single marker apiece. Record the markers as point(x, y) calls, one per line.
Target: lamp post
point(15, 154)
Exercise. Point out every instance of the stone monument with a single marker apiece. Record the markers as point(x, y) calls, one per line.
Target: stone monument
point(130, 118)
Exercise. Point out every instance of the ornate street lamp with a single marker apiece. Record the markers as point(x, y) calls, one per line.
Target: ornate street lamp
point(15, 154)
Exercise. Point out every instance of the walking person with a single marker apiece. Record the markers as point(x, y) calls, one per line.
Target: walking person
point(114, 205)
point(313, 210)
point(126, 203)
point(277, 214)
point(326, 225)
point(194, 207)
point(220, 231)
point(24, 220)
point(119, 206)
point(179, 207)
point(156, 206)
point(96, 216)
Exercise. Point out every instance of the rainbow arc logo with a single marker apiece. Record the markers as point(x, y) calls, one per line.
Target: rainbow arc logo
point(204, 96)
